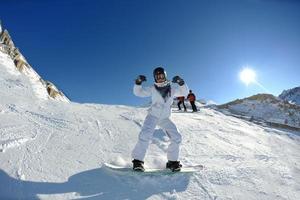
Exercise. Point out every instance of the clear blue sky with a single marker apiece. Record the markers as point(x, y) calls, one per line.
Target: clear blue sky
point(94, 49)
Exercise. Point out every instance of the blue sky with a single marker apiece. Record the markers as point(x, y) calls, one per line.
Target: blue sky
point(94, 49)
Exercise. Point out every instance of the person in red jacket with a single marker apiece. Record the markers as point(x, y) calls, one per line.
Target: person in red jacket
point(181, 101)
point(192, 98)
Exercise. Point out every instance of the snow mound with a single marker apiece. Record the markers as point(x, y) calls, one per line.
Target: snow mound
point(6, 144)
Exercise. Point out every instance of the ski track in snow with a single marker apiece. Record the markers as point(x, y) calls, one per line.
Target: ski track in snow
point(6, 144)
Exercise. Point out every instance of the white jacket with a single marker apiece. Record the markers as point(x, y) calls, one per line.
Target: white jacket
point(160, 107)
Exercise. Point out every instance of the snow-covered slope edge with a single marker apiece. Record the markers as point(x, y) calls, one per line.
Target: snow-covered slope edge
point(42, 89)
point(265, 107)
point(53, 150)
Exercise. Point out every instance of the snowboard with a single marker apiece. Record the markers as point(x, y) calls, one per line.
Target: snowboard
point(151, 171)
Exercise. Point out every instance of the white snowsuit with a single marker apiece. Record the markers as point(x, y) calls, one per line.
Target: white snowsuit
point(159, 114)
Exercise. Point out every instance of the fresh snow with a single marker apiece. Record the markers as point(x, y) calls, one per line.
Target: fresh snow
point(56, 150)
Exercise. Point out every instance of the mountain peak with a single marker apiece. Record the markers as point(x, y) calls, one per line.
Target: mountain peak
point(291, 95)
point(43, 89)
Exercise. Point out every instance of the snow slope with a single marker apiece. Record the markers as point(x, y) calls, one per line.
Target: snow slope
point(55, 150)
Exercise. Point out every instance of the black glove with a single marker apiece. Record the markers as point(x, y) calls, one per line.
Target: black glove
point(177, 79)
point(140, 79)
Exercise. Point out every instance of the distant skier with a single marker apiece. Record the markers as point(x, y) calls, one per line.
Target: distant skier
point(192, 98)
point(162, 93)
point(181, 101)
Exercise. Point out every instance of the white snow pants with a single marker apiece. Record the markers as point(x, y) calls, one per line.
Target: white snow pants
point(146, 133)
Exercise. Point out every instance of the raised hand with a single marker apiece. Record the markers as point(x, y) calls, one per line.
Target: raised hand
point(140, 79)
point(177, 79)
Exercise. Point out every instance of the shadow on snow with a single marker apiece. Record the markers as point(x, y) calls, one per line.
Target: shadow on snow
point(95, 184)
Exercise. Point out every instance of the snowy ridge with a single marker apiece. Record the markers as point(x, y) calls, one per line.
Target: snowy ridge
point(15, 61)
point(291, 95)
point(265, 107)
point(53, 150)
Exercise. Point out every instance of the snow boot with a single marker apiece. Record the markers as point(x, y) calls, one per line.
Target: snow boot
point(138, 165)
point(174, 166)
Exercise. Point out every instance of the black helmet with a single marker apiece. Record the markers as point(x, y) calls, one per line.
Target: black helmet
point(159, 70)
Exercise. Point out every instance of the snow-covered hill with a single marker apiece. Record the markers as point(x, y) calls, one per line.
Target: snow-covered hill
point(55, 150)
point(291, 95)
point(15, 60)
point(267, 108)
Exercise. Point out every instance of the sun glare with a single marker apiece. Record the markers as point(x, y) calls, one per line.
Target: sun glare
point(248, 76)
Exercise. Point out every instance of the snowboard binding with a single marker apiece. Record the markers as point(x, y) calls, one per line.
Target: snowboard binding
point(138, 165)
point(174, 166)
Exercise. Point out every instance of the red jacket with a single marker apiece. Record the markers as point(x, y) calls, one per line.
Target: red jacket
point(191, 97)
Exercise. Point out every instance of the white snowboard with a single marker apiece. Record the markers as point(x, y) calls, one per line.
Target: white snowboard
point(129, 170)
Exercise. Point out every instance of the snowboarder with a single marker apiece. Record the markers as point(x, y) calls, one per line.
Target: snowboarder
point(181, 101)
point(192, 98)
point(162, 93)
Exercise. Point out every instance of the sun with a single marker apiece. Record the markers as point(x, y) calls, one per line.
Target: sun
point(248, 76)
